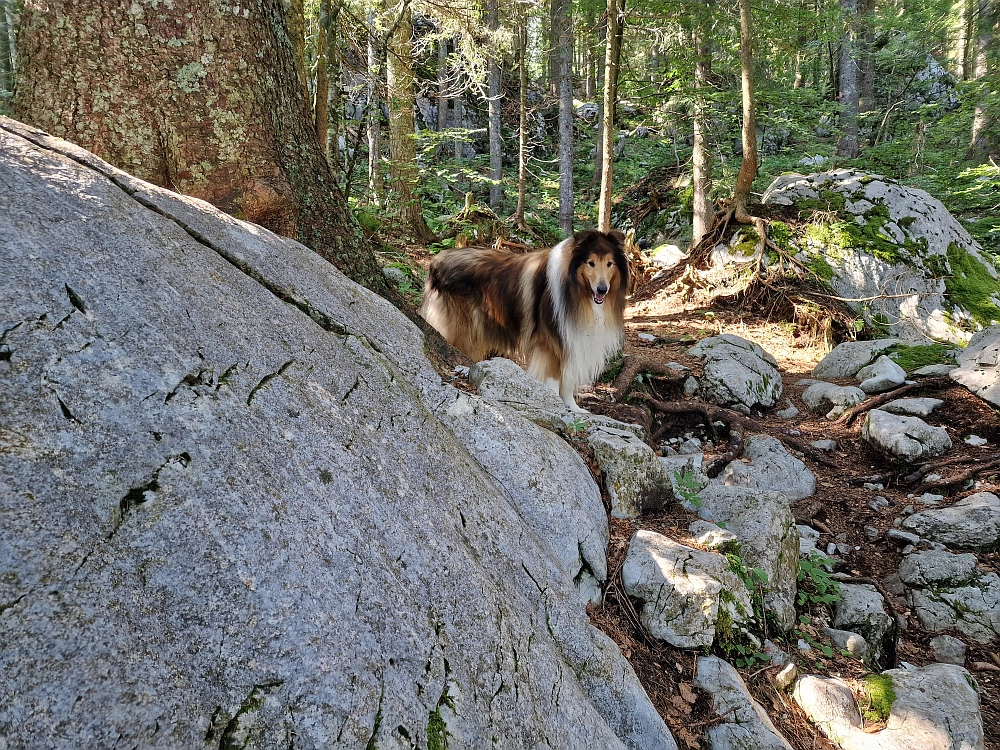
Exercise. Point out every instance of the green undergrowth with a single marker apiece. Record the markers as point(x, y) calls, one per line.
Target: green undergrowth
point(881, 695)
point(972, 286)
point(912, 358)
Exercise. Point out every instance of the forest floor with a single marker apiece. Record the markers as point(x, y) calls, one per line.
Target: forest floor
point(839, 510)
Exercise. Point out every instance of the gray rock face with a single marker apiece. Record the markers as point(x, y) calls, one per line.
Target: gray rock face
point(266, 527)
point(948, 650)
point(881, 375)
point(847, 358)
point(979, 365)
point(949, 591)
point(737, 372)
point(933, 371)
point(502, 381)
point(771, 468)
point(862, 611)
point(912, 407)
point(906, 438)
point(685, 590)
point(763, 523)
point(831, 400)
point(936, 708)
point(917, 238)
point(745, 723)
point(970, 523)
point(633, 475)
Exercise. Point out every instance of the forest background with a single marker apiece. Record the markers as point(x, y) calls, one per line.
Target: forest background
point(445, 123)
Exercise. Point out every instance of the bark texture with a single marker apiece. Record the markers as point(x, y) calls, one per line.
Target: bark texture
point(849, 93)
point(496, 137)
point(165, 95)
point(612, 59)
point(522, 119)
point(373, 119)
point(701, 157)
point(748, 167)
point(562, 14)
point(979, 145)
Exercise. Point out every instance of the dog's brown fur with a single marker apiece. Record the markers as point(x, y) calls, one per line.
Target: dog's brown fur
point(545, 307)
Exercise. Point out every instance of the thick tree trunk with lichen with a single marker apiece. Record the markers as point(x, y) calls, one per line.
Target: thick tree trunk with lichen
point(166, 96)
point(402, 147)
point(701, 155)
point(748, 167)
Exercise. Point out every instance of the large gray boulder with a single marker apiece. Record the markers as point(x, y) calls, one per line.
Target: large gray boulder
point(979, 365)
point(771, 468)
point(830, 399)
point(633, 474)
point(686, 592)
point(861, 610)
point(936, 708)
point(768, 539)
point(847, 358)
point(235, 509)
point(898, 249)
point(881, 375)
point(906, 438)
point(971, 523)
point(737, 372)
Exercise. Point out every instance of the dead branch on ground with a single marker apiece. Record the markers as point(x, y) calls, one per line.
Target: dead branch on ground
point(871, 403)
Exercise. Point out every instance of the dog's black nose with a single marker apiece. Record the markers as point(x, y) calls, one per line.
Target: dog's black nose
point(602, 288)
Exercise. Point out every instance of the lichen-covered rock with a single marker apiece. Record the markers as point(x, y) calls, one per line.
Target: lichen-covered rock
point(971, 523)
point(763, 523)
point(889, 236)
point(949, 591)
point(979, 365)
point(633, 474)
point(771, 468)
point(686, 593)
point(745, 724)
point(912, 407)
point(936, 708)
point(831, 400)
point(906, 438)
point(231, 510)
point(737, 372)
point(847, 358)
point(862, 610)
point(881, 375)
point(502, 381)
point(948, 650)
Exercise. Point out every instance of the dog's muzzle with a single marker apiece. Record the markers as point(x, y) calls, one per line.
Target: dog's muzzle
point(602, 291)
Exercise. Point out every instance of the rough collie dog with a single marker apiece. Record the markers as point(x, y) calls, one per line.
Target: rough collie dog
point(561, 311)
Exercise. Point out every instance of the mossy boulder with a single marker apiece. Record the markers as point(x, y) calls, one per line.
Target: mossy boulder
point(906, 262)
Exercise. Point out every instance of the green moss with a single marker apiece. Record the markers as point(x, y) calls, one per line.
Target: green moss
point(911, 358)
point(819, 266)
point(971, 285)
point(747, 244)
point(437, 732)
point(881, 695)
point(781, 235)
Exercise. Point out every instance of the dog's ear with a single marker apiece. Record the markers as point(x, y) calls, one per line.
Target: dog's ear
point(617, 234)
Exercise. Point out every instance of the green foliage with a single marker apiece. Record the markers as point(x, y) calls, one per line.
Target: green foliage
point(912, 358)
point(881, 695)
point(819, 266)
point(972, 286)
point(687, 484)
point(615, 365)
point(816, 585)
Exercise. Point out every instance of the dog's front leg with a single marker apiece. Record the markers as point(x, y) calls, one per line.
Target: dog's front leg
point(566, 394)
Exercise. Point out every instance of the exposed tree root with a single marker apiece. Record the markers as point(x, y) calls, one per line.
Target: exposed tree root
point(738, 424)
point(625, 379)
point(981, 465)
point(871, 403)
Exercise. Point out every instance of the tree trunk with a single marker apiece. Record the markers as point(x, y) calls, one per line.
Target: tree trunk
point(553, 57)
point(849, 96)
point(459, 111)
point(373, 115)
point(442, 90)
point(335, 72)
point(6, 57)
point(865, 56)
point(748, 168)
point(565, 58)
point(612, 59)
point(701, 157)
point(800, 44)
point(322, 104)
point(165, 121)
point(522, 111)
point(597, 176)
point(979, 145)
point(402, 147)
point(296, 18)
point(496, 138)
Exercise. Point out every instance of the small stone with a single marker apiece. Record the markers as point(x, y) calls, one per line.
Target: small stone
point(929, 498)
point(690, 447)
point(901, 537)
point(897, 521)
point(873, 486)
point(848, 641)
point(785, 676)
point(875, 506)
point(831, 549)
point(793, 433)
point(872, 533)
point(824, 445)
point(882, 375)
point(912, 407)
point(881, 501)
point(806, 382)
point(934, 371)
point(975, 440)
point(677, 367)
point(788, 412)
point(803, 646)
point(948, 650)
point(690, 386)
point(844, 549)
point(908, 510)
point(646, 337)
point(808, 537)
point(908, 549)
point(462, 370)
point(742, 409)
point(776, 655)
point(932, 477)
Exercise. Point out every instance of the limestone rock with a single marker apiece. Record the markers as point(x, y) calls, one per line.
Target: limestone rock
point(933, 371)
point(971, 523)
point(948, 650)
point(979, 365)
point(745, 722)
point(264, 527)
point(504, 382)
point(949, 591)
point(845, 640)
point(862, 611)
point(633, 475)
point(737, 372)
point(808, 538)
point(881, 375)
point(906, 438)
point(936, 708)
point(936, 567)
point(771, 468)
point(846, 359)
point(831, 400)
point(684, 590)
point(912, 407)
point(891, 236)
point(763, 523)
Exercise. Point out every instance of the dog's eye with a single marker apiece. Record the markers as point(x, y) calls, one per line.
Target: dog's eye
point(609, 264)
point(590, 263)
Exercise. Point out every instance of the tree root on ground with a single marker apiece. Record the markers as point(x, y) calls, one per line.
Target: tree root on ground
point(738, 425)
point(872, 403)
point(625, 379)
